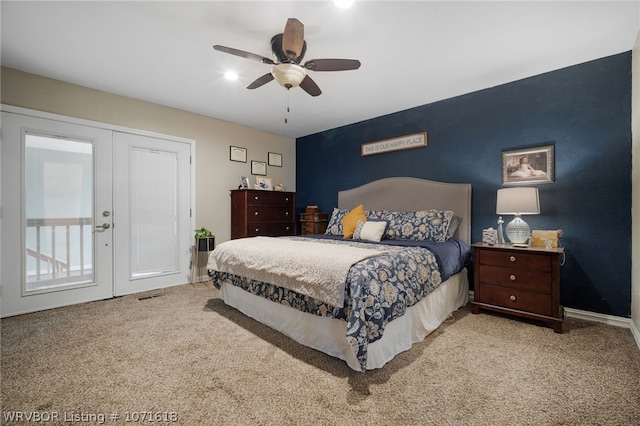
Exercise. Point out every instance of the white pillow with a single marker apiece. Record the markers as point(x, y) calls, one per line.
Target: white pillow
point(370, 230)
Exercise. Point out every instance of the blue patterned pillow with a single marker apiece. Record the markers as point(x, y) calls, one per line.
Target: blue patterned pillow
point(334, 227)
point(423, 225)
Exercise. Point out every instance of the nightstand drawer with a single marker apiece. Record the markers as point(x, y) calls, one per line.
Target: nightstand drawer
point(520, 279)
point(516, 299)
point(514, 258)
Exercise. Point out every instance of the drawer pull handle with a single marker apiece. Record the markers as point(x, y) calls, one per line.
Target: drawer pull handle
point(286, 199)
point(512, 258)
point(256, 213)
point(286, 229)
point(286, 213)
point(513, 298)
point(257, 230)
point(512, 277)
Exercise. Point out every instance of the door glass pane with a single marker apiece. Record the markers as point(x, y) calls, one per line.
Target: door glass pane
point(58, 210)
point(153, 203)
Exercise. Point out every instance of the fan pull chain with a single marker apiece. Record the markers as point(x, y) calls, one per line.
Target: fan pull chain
point(286, 106)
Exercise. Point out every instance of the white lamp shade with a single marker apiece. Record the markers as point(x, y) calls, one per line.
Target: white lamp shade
point(288, 75)
point(518, 201)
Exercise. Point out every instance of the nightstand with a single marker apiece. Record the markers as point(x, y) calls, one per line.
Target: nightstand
point(524, 282)
point(313, 222)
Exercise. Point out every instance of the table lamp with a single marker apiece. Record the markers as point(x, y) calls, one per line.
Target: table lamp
point(518, 201)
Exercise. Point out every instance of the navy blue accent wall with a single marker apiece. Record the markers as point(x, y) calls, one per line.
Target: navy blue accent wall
point(583, 110)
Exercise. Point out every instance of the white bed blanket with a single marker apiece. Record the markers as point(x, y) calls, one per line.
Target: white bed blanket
point(313, 268)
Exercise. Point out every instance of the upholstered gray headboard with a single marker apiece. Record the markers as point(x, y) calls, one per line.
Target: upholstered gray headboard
point(411, 194)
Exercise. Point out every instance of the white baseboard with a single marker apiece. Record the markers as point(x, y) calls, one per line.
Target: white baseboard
point(596, 317)
point(636, 333)
point(605, 319)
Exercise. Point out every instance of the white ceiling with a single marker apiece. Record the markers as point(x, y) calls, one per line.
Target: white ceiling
point(412, 53)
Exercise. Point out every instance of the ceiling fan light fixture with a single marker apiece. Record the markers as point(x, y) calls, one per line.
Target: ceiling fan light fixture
point(231, 75)
point(289, 75)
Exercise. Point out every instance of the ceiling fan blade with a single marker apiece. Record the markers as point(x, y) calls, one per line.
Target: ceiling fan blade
point(332, 64)
point(261, 81)
point(310, 86)
point(293, 38)
point(243, 54)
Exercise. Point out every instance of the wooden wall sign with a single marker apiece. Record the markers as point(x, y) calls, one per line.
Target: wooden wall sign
point(415, 140)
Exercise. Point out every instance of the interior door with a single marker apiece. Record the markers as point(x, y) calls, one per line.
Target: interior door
point(152, 204)
point(57, 202)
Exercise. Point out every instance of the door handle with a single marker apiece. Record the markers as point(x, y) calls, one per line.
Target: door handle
point(103, 227)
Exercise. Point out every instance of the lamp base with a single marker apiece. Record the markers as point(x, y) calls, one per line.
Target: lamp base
point(518, 231)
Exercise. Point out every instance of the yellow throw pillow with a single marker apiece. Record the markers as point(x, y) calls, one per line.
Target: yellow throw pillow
point(350, 221)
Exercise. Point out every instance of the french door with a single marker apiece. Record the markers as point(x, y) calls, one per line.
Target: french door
point(89, 212)
point(152, 197)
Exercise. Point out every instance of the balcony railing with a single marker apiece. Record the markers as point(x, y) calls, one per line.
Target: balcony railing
point(59, 251)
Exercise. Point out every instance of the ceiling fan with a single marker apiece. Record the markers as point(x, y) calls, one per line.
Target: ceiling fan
point(288, 50)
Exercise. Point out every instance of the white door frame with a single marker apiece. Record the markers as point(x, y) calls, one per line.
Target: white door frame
point(9, 221)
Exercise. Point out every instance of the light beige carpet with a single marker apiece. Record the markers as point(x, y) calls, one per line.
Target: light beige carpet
point(187, 356)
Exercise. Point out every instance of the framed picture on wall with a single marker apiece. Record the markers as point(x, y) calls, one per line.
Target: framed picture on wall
point(258, 168)
point(237, 153)
point(530, 165)
point(275, 159)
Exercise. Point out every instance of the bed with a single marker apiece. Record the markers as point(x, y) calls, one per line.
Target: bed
point(378, 297)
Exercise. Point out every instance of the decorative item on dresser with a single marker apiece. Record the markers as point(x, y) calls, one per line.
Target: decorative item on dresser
point(312, 221)
point(262, 213)
point(518, 281)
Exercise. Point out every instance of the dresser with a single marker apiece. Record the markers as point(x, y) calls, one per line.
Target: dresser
point(523, 282)
point(262, 213)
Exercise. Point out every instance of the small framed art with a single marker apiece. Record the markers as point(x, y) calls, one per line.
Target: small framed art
point(264, 183)
point(258, 168)
point(530, 165)
point(275, 159)
point(237, 153)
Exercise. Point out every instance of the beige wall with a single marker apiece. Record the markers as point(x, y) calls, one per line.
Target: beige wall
point(215, 174)
point(635, 201)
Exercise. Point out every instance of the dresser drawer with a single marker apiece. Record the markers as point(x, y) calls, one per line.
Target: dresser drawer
point(272, 198)
point(517, 299)
point(521, 279)
point(511, 258)
point(270, 229)
point(270, 213)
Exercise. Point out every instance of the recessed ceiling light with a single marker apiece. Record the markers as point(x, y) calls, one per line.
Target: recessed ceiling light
point(230, 75)
point(344, 4)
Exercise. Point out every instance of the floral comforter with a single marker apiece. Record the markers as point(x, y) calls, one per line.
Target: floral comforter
point(377, 290)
